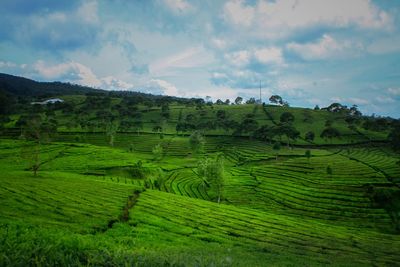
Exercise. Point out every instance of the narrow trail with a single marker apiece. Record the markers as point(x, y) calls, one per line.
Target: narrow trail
point(124, 216)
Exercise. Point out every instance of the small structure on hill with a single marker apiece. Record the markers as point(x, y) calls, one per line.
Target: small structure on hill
point(48, 101)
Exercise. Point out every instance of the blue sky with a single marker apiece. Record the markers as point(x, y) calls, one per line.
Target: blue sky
point(308, 51)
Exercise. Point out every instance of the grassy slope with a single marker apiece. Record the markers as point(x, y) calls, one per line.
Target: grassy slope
point(152, 117)
point(280, 212)
point(278, 209)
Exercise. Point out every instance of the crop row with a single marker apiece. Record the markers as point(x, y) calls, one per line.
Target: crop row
point(184, 218)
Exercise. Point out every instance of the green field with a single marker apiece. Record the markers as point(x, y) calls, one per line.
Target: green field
point(103, 196)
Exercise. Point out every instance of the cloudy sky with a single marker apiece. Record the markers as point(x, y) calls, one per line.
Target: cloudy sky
point(308, 51)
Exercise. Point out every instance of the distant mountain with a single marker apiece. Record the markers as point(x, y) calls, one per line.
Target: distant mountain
point(20, 86)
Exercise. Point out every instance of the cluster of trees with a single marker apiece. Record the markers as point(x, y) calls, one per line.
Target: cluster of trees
point(276, 99)
point(200, 122)
point(284, 128)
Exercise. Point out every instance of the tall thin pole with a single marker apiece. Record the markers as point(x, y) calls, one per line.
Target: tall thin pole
point(260, 92)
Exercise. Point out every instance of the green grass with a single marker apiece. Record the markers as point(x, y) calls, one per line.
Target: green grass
point(305, 119)
point(279, 212)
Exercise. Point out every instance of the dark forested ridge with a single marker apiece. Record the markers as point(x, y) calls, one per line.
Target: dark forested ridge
point(21, 86)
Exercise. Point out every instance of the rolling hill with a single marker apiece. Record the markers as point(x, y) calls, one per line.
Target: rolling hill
point(105, 180)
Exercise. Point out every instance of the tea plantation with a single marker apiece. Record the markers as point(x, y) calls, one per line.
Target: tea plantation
point(184, 184)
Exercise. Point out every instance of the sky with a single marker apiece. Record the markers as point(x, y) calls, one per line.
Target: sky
point(310, 52)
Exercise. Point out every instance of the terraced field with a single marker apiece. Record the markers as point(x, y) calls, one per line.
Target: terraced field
point(381, 160)
point(278, 207)
point(185, 220)
point(62, 199)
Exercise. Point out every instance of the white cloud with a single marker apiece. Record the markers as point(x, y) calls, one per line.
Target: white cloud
point(394, 91)
point(358, 101)
point(192, 57)
point(350, 100)
point(326, 47)
point(219, 43)
point(70, 71)
point(7, 64)
point(336, 99)
point(274, 19)
point(384, 45)
point(178, 6)
point(384, 100)
point(238, 13)
point(269, 55)
point(88, 11)
point(158, 86)
point(266, 55)
point(238, 58)
point(218, 92)
point(112, 83)
point(66, 29)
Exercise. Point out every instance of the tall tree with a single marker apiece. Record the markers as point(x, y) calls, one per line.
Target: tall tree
point(111, 131)
point(310, 135)
point(238, 100)
point(329, 133)
point(308, 155)
point(286, 117)
point(212, 172)
point(157, 152)
point(276, 147)
point(38, 132)
point(196, 142)
point(276, 99)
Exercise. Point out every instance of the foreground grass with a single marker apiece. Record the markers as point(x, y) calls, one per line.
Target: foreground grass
point(84, 209)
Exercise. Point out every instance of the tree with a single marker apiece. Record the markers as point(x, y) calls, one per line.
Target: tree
point(353, 111)
point(394, 137)
point(219, 102)
point(316, 107)
point(286, 117)
point(329, 133)
point(308, 155)
point(264, 133)
point(238, 100)
point(137, 125)
point(248, 125)
point(221, 114)
point(289, 131)
point(5, 103)
point(165, 111)
point(336, 107)
point(276, 99)
point(157, 129)
point(157, 152)
point(212, 172)
point(310, 136)
point(196, 142)
point(111, 130)
point(227, 102)
point(276, 147)
point(37, 131)
point(252, 100)
point(329, 170)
